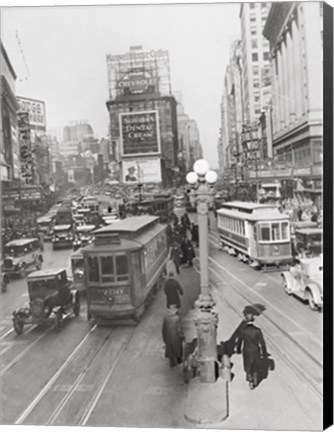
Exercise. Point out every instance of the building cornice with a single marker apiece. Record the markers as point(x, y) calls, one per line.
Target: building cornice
point(5, 55)
point(276, 22)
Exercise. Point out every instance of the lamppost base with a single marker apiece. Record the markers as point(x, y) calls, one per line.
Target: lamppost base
point(206, 403)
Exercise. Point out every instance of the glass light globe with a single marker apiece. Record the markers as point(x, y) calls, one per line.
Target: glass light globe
point(201, 167)
point(211, 177)
point(192, 177)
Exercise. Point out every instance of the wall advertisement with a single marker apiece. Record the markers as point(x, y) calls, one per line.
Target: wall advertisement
point(140, 133)
point(26, 157)
point(35, 109)
point(141, 170)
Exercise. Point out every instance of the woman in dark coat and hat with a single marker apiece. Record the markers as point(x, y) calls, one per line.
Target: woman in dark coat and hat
point(250, 342)
point(172, 336)
point(173, 290)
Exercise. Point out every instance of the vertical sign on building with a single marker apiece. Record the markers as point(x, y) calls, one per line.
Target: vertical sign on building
point(25, 148)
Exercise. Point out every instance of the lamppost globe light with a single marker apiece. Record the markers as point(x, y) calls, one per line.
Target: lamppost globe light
point(201, 167)
point(211, 177)
point(192, 178)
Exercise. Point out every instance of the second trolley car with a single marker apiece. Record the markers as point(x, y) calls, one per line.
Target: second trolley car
point(258, 234)
point(124, 269)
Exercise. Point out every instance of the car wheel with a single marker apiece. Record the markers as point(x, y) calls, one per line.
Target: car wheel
point(59, 320)
point(311, 301)
point(18, 325)
point(76, 306)
point(23, 271)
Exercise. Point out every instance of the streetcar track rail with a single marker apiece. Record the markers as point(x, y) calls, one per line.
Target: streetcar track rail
point(306, 379)
point(49, 384)
point(297, 370)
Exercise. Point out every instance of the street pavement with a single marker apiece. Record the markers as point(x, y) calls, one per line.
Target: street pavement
point(120, 377)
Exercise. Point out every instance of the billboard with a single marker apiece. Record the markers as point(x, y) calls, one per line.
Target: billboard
point(141, 170)
point(35, 109)
point(26, 157)
point(139, 72)
point(139, 133)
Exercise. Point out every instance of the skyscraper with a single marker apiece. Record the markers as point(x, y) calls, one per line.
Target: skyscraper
point(255, 58)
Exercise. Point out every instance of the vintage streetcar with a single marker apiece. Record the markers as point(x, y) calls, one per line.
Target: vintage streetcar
point(22, 255)
point(258, 234)
point(305, 281)
point(78, 270)
point(124, 269)
point(50, 295)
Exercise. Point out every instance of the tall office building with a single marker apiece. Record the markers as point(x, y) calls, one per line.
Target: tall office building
point(255, 59)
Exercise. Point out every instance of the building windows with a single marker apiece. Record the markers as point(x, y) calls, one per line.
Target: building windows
point(255, 57)
point(252, 5)
point(266, 56)
point(254, 43)
point(253, 32)
point(253, 19)
point(263, 5)
point(255, 70)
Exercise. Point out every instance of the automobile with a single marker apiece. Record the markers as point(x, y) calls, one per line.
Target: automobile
point(62, 236)
point(305, 281)
point(308, 241)
point(50, 296)
point(45, 226)
point(83, 236)
point(109, 219)
point(21, 255)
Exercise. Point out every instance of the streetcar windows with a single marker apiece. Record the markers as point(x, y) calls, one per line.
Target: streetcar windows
point(265, 232)
point(93, 269)
point(122, 268)
point(275, 231)
point(107, 269)
point(285, 232)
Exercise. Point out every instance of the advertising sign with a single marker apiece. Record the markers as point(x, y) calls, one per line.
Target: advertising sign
point(24, 194)
point(137, 82)
point(35, 109)
point(25, 148)
point(141, 170)
point(139, 133)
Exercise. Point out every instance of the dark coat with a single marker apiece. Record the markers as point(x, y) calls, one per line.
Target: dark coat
point(173, 290)
point(172, 336)
point(251, 342)
point(176, 254)
point(189, 250)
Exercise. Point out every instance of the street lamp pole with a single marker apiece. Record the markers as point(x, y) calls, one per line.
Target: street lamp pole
point(206, 321)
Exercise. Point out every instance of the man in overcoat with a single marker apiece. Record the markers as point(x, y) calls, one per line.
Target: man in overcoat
point(189, 252)
point(172, 336)
point(173, 290)
point(176, 255)
point(250, 342)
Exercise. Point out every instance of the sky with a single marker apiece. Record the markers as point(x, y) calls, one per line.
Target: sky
point(59, 56)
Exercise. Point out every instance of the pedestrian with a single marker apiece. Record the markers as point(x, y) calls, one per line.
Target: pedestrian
point(195, 234)
point(172, 336)
point(250, 342)
point(189, 252)
point(175, 256)
point(173, 290)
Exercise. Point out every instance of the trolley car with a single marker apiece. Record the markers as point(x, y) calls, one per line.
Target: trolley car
point(124, 269)
point(258, 234)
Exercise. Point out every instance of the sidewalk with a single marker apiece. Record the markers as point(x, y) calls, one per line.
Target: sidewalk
point(276, 404)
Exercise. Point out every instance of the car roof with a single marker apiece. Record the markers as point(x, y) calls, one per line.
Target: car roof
point(45, 273)
point(85, 228)
point(309, 231)
point(61, 227)
point(21, 242)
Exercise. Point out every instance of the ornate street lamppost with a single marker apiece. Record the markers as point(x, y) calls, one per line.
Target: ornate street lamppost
point(207, 320)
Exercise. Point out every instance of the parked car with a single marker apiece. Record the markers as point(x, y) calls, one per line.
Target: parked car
point(50, 295)
point(305, 280)
point(21, 255)
point(308, 241)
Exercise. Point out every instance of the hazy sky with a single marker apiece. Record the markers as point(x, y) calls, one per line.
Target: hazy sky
point(65, 57)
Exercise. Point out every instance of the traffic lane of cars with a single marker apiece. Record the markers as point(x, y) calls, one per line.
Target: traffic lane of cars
point(293, 316)
point(17, 290)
